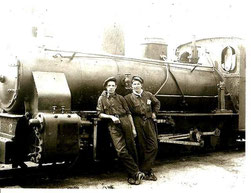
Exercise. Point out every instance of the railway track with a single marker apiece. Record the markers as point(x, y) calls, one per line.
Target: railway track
point(13, 176)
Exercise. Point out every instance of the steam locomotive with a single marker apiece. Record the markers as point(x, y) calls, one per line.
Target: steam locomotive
point(48, 101)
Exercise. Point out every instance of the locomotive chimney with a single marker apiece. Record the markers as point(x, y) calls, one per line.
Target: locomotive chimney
point(154, 48)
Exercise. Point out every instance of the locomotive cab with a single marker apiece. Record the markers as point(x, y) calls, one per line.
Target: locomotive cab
point(228, 58)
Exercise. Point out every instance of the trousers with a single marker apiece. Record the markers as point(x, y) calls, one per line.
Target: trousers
point(147, 142)
point(123, 141)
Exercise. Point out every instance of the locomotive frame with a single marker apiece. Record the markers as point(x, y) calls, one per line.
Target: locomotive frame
point(57, 120)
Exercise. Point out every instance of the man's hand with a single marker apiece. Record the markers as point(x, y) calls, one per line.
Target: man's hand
point(153, 116)
point(115, 120)
point(134, 132)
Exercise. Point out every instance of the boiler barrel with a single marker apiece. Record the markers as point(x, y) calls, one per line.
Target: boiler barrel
point(85, 75)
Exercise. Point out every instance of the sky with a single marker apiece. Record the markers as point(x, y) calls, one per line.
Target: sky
point(79, 24)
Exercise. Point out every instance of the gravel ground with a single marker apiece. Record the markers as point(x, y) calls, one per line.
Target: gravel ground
point(202, 172)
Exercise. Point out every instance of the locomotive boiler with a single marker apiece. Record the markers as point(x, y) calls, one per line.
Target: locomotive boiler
point(48, 103)
point(81, 80)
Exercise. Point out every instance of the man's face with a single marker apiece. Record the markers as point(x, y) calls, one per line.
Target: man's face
point(111, 87)
point(136, 86)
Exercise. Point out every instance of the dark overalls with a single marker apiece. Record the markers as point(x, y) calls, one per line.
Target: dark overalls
point(121, 133)
point(142, 108)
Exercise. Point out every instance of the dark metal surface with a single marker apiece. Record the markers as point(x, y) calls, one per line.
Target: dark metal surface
point(57, 136)
point(85, 75)
point(8, 126)
point(234, 77)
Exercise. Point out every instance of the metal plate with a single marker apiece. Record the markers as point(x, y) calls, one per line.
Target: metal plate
point(52, 90)
point(9, 87)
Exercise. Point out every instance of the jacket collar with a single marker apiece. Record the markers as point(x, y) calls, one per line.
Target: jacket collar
point(138, 94)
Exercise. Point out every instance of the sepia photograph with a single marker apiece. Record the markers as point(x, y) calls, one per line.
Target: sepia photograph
point(124, 95)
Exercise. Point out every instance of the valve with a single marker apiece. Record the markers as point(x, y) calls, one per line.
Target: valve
point(63, 109)
point(127, 81)
point(54, 107)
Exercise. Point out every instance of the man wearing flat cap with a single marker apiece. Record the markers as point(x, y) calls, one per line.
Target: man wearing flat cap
point(144, 107)
point(113, 106)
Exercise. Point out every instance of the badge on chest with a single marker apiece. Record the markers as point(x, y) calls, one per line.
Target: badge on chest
point(148, 101)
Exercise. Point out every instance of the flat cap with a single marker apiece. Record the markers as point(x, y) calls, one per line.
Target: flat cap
point(138, 78)
point(109, 79)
